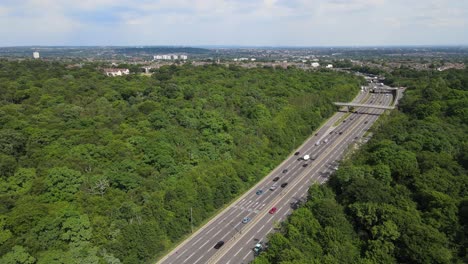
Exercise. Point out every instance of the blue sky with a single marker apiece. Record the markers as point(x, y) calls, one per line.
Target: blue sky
point(234, 22)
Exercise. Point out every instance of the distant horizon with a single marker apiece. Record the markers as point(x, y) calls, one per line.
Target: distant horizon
point(246, 46)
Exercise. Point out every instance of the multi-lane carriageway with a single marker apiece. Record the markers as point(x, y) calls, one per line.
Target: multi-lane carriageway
point(240, 238)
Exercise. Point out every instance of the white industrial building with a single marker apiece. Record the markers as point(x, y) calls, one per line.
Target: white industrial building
point(36, 55)
point(170, 57)
point(315, 64)
point(116, 72)
point(329, 66)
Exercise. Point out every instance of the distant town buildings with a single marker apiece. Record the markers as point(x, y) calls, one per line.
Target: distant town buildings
point(116, 72)
point(329, 66)
point(36, 55)
point(315, 64)
point(244, 59)
point(170, 57)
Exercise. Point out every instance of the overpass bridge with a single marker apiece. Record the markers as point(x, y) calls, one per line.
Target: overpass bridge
point(383, 89)
point(364, 105)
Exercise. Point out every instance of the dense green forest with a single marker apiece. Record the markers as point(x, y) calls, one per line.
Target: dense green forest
point(403, 197)
point(97, 169)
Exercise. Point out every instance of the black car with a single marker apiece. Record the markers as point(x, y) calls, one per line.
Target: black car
point(340, 133)
point(305, 165)
point(297, 153)
point(366, 122)
point(316, 134)
point(284, 185)
point(285, 170)
point(276, 179)
point(219, 244)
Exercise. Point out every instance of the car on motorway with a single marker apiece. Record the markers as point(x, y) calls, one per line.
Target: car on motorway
point(344, 121)
point(259, 192)
point(272, 210)
point(351, 118)
point(316, 134)
point(304, 165)
point(273, 187)
point(285, 170)
point(297, 153)
point(366, 122)
point(219, 244)
point(317, 143)
point(284, 185)
point(276, 179)
point(340, 133)
point(331, 132)
point(246, 220)
point(325, 141)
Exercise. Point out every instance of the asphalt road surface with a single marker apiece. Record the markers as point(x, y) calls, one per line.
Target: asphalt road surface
point(327, 146)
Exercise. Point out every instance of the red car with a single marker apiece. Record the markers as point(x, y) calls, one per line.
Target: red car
point(273, 210)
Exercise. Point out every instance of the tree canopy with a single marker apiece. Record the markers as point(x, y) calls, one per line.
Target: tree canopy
point(97, 169)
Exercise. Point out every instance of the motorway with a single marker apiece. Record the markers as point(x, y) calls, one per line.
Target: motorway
point(327, 145)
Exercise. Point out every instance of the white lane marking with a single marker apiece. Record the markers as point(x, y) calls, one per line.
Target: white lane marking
point(198, 259)
point(199, 239)
point(248, 253)
point(178, 256)
point(189, 257)
point(218, 232)
point(237, 252)
point(203, 244)
point(269, 230)
point(269, 219)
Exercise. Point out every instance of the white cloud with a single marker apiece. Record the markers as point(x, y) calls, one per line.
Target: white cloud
point(248, 22)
